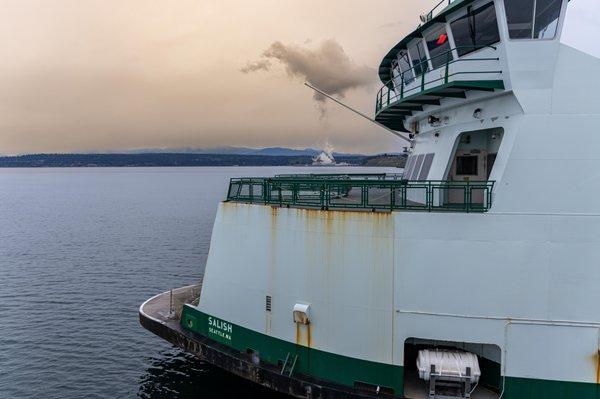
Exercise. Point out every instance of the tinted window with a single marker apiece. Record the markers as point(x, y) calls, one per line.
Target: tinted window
point(426, 167)
point(408, 168)
point(476, 29)
point(439, 47)
point(519, 15)
point(419, 59)
point(396, 74)
point(523, 25)
point(547, 13)
point(417, 167)
point(404, 64)
point(466, 166)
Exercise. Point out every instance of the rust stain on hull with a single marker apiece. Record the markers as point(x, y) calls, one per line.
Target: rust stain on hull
point(598, 367)
point(299, 335)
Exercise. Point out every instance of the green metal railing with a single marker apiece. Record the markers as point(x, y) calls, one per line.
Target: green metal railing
point(373, 192)
point(401, 87)
point(439, 7)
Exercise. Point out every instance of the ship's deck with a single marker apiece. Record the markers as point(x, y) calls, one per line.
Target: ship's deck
point(166, 307)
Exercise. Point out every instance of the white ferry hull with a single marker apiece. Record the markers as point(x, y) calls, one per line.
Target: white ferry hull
point(376, 281)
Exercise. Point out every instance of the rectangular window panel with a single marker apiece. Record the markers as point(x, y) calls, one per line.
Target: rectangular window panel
point(519, 15)
point(417, 167)
point(547, 13)
point(466, 165)
point(396, 78)
point(408, 168)
point(404, 64)
point(426, 167)
point(419, 58)
point(477, 29)
point(439, 47)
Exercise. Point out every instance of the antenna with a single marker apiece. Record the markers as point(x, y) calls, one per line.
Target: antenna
point(395, 133)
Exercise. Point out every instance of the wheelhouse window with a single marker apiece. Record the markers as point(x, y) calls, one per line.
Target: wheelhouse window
point(477, 29)
point(404, 64)
point(419, 58)
point(396, 74)
point(439, 47)
point(532, 19)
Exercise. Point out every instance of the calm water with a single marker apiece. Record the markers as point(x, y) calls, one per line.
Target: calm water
point(80, 250)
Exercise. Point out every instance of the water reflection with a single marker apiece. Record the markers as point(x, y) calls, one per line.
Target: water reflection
point(177, 374)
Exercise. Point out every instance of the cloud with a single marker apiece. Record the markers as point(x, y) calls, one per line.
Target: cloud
point(260, 65)
point(325, 65)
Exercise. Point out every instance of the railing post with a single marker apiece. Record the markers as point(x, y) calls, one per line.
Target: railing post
point(266, 191)
point(447, 68)
point(429, 197)
point(295, 191)
point(402, 88)
point(468, 197)
point(423, 80)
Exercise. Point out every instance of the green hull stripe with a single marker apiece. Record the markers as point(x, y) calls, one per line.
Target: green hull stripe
point(346, 371)
point(526, 388)
point(325, 366)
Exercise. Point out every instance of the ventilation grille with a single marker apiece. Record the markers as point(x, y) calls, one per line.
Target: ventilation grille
point(268, 303)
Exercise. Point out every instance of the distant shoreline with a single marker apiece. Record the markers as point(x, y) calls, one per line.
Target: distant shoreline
point(185, 159)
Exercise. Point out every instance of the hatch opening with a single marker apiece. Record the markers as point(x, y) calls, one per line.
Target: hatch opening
point(489, 381)
point(473, 161)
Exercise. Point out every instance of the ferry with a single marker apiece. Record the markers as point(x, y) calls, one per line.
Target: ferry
point(474, 274)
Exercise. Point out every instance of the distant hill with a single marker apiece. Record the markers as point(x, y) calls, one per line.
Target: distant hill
point(271, 151)
point(166, 159)
point(386, 160)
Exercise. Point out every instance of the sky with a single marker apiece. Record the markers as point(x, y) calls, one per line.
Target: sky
point(98, 75)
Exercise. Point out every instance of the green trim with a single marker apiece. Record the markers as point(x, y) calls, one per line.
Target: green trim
point(346, 371)
point(526, 388)
point(364, 193)
point(388, 114)
point(322, 365)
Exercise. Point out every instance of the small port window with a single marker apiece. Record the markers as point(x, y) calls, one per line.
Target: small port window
point(466, 165)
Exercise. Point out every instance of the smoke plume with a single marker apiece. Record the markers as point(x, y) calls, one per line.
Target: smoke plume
point(260, 65)
point(326, 66)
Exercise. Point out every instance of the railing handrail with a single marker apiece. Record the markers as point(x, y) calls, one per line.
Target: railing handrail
point(315, 191)
point(429, 15)
point(446, 53)
point(422, 83)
